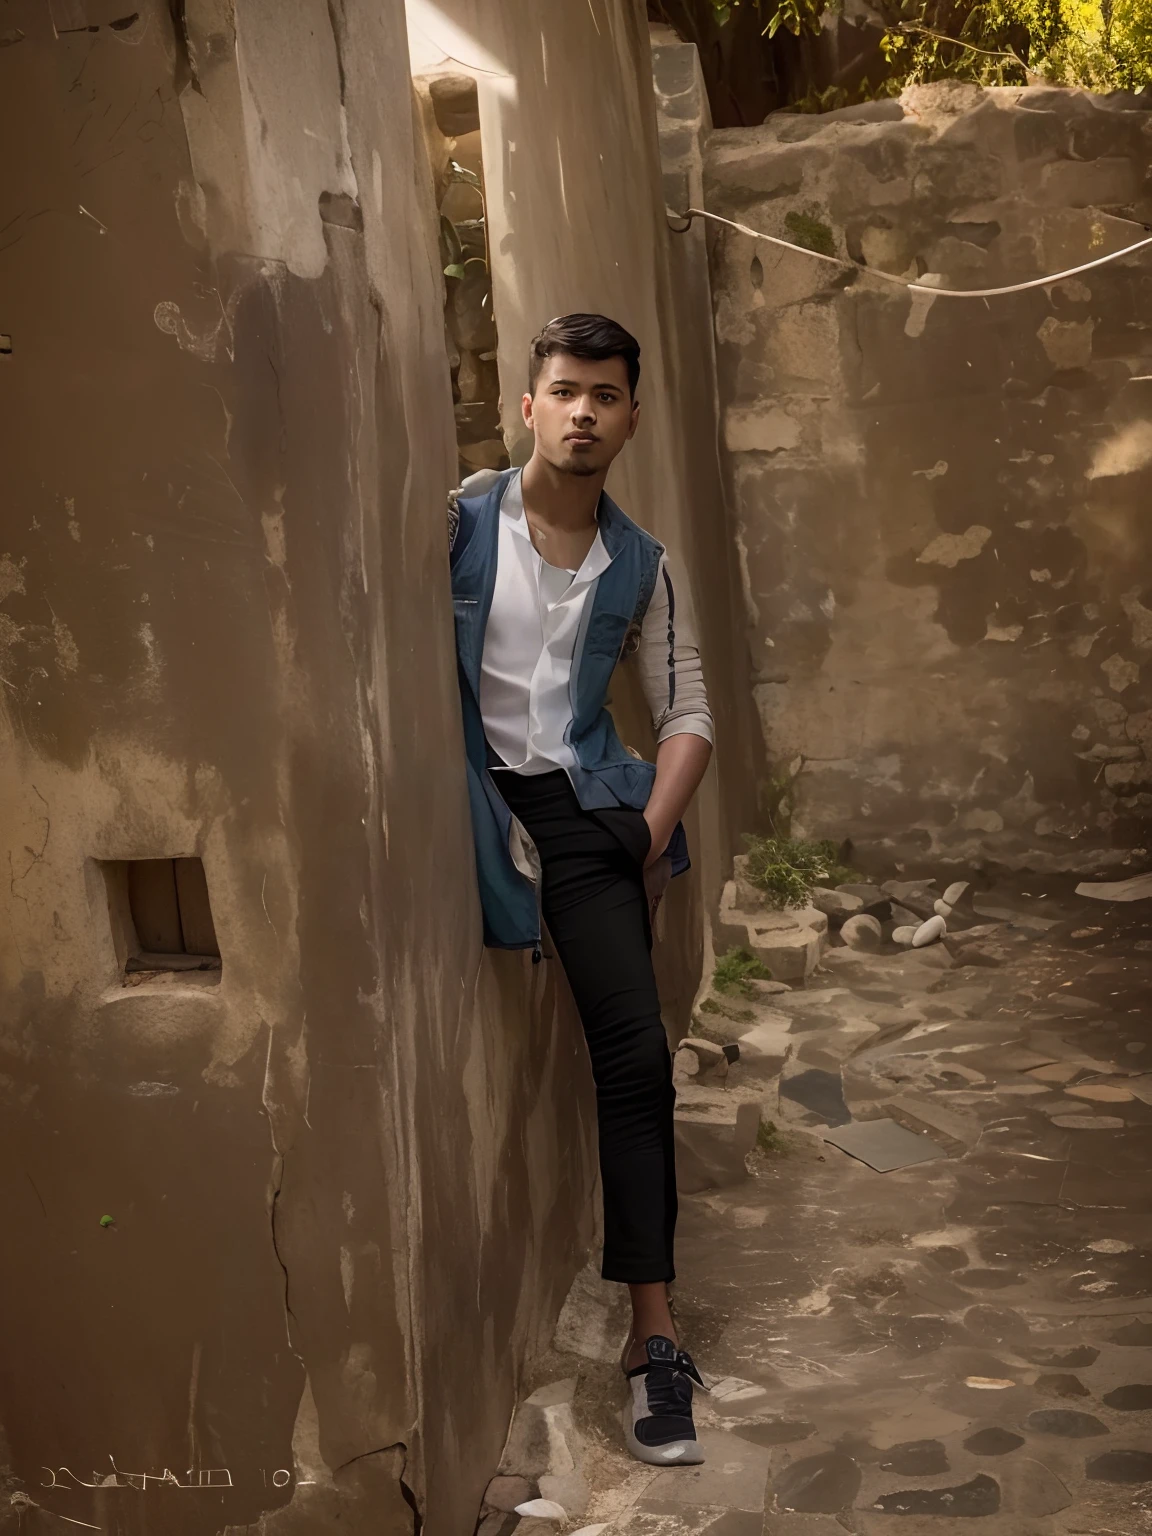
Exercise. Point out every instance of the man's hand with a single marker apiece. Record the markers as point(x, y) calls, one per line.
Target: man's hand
point(657, 874)
point(680, 765)
point(661, 835)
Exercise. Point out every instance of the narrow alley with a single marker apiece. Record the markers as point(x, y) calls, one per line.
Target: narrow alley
point(969, 1337)
point(817, 338)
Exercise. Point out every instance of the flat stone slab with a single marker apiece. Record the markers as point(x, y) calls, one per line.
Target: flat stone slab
point(1135, 1398)
point(1138, 888)
point(916, 1458)
point(818, 1485)
point(993, 1441)
point(1138, 1333)
point(1059, 1384)
point(1121, 1467)
point(1065, 1422)
point(883, 1144)
point(734, 1476)
point(979, 1496)
point(1088, 1122)
point(820, 1092)
point(776, 1432)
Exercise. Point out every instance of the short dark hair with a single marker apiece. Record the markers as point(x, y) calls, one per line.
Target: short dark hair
point(590, 336)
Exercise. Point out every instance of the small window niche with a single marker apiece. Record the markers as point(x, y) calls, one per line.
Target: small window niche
point(162, 920)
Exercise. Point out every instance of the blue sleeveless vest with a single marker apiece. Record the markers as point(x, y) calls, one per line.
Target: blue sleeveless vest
point(605, 774)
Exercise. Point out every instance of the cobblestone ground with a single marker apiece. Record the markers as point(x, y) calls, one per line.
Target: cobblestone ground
point(962, 1345)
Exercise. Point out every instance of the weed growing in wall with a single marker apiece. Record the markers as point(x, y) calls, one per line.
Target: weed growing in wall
point(735, 970)
point(787, 868)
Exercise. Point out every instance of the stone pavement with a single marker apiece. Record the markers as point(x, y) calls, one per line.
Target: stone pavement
point(963, 1344)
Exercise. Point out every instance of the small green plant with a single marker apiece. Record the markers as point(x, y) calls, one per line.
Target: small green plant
point(727, 1010)
point(768, 1137)
point(787, 868)
point(810, 232)
point(456, 237)
point(734, 971)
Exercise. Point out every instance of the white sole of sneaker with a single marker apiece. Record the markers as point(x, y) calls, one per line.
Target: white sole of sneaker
point(678, 1453)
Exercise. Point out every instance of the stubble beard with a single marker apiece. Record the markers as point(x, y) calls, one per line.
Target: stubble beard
point(573, 465)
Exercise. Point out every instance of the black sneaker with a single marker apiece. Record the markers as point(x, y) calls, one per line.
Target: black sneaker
point(658, 1421)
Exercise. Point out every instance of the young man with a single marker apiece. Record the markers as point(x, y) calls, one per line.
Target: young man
point(552, 587)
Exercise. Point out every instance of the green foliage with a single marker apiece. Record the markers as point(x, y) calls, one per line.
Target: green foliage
point(733, 973)
point(1102, 45)
point(786, 868)
point(768, 1137)
point(456, 238)
point(810, 232)
point(794, 16)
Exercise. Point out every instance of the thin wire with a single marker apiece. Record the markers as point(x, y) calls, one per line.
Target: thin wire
point(903, 282)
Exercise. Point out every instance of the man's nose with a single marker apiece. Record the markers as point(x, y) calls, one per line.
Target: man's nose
point(584, 409)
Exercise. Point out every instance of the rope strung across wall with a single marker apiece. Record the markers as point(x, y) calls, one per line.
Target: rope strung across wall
point(904, 282)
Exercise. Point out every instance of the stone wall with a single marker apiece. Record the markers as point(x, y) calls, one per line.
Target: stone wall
point(942, 504)
point(347, 1175)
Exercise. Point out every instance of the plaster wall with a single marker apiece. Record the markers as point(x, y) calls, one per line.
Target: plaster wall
point(347, 1184)
point(941, 505)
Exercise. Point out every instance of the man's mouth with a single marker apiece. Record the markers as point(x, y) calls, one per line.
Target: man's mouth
point(585, 439)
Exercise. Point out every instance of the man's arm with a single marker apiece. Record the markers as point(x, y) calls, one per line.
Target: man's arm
point(680, 764)
point(674, 686)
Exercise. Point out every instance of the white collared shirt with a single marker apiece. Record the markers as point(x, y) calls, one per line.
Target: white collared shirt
point(529, 644)
point(530, 641)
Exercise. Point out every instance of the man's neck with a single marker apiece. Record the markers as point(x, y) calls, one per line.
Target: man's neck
point(560, 500)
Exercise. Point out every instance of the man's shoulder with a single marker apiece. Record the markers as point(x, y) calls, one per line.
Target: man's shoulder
point(471, 491)
point(622, 525)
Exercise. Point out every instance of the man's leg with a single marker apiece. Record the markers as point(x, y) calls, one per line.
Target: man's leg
point(595, 908)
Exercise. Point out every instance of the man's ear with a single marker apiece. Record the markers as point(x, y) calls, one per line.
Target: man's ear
point(526, 409)
point(635, 418)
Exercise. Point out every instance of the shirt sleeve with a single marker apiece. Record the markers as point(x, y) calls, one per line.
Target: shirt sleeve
point(670, 670)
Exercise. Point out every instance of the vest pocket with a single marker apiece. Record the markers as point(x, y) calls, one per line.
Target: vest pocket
point(606, 634)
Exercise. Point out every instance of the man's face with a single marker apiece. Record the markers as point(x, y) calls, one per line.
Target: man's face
point(581, 413)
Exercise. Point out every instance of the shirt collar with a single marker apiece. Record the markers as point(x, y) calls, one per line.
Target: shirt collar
point(596, 561)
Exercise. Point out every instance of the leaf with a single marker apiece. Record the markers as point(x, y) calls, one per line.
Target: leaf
point(450, 246)
point(106, 1221)
point(454, 269)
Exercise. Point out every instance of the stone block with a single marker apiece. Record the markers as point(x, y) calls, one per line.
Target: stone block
point(862, 932)
point(544, 1446)
point(712, 1141)
point(1089, 183)
point(594, 1320)
point(504, 1493)
point(454, 104)
point(788, 942)
point(836, 906)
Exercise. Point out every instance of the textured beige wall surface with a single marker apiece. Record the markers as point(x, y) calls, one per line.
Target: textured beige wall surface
point(942, 505)
point(348, 1183)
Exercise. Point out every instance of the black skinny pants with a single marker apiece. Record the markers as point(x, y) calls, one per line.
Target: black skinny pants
point(597, 916)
